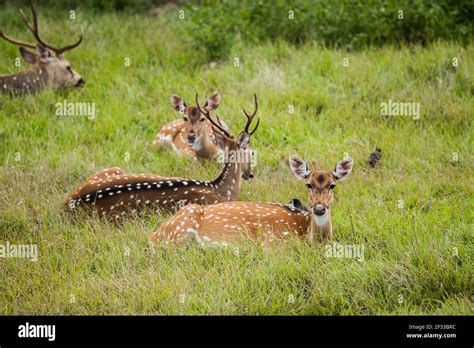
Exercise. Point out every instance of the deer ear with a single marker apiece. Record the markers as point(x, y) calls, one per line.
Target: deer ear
point(178, 103)
point(343, 169)
point(213, 101)
point(296, 204)
point(299, 168)
point(28, 56)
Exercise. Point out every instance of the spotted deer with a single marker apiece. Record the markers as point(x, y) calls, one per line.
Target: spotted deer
point(229, 222)
point(113, 193)
point(49, 67)
point(193, 134)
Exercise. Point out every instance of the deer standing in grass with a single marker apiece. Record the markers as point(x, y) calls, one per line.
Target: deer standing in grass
point(49, 67)
point(193, 134)
point(227, 222)
point(114, 193)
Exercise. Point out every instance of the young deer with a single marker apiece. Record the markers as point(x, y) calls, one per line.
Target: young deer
point(114, 193)
point(219, 224)
point(192, 135)
point(50, 69)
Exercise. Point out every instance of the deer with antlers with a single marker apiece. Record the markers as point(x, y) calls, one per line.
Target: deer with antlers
point(193, 134)
point(228, 222)
point(49, 67)
point(113, 193)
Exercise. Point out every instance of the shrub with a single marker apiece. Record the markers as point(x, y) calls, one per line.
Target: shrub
point(341, 24)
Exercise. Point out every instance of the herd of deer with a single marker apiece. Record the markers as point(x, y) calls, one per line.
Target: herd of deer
point(206, 212)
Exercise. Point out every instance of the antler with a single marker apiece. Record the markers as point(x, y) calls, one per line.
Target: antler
point(217, 124)
point(250, 117)
point(16, 42)
point(34, 30)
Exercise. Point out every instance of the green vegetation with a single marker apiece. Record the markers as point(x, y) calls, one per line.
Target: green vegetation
point(413, 214)
point(215, 26)
point(343, 24)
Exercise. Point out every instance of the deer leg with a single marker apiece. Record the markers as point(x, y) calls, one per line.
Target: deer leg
point(168, 133)
point(182, 148)
point(182, 228)
point(173, 136)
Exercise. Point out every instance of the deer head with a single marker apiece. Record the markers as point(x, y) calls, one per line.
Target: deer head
point(195, 124)
point(48, 61)
point(238, 149)
point(321, 184)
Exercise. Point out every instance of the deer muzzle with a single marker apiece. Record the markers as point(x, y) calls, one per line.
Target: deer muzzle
point(191, 137)
point(81, 82)
point(319, 209)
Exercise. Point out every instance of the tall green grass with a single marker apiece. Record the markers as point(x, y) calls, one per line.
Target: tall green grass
point(418, 254)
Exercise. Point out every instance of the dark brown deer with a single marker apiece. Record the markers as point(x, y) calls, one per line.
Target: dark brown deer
point(114, 193)
point(49, 67)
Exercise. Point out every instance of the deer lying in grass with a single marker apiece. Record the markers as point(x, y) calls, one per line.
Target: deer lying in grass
point(49, 67)
point(193, 134)
point(114, 193)
point(227, 222)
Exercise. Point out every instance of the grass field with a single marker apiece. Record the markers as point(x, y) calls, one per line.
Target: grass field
point(413, 214)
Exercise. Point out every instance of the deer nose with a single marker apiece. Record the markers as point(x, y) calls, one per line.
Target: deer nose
point(191, 137)
point(247, 176)
point(319, 209)
point(81, 82)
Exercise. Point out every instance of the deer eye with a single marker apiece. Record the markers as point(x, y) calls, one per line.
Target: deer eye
point(202, 119)
point(308, 185)
point(332, 186)
point(185, 118)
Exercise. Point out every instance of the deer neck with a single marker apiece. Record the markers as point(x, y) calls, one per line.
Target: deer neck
point(227, 184)
point(205, 147)
point(26, 82)
point(321, 226)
